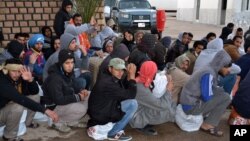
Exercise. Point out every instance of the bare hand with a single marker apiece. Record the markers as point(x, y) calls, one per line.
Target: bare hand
point(26, 74)
point(53, 115)
point(92, 21)
point(33, 58)
point(83, 50)
point(84, 93)
point(131, 69)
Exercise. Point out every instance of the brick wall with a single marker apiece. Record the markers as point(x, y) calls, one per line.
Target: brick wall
point(30, 15)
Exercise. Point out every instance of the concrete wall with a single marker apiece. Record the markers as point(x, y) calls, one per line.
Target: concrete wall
point(233, 7)
point(209, 12)
point(185, 10)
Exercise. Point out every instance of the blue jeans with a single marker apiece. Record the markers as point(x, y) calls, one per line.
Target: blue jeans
point(88, 78)
point(129, 107)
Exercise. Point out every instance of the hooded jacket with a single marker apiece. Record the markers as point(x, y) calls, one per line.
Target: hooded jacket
point(119, 52)
point(65, 40)
point(208, 54)
point(58, 88)
point(176, 49)
point(61, 17)
point(192, 93)
point(104, 103)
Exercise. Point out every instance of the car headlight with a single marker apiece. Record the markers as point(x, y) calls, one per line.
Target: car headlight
point(154, 15)
point(124, 15)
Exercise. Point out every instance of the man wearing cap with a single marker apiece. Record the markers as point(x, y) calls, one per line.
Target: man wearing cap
point(61, 96)
point(34, 57)
point(17, 85)
point(14, 50)
point(113, 99)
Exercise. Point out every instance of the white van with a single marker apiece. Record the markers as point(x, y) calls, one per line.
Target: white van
point(170, 6)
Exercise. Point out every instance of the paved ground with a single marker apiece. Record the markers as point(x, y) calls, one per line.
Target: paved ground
point(173, 27)
point(168, 131)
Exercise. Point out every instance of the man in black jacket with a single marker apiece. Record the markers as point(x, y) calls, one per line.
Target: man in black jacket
point(62, 16)
point(16, 84)
point(60, 95)
point(113, 99)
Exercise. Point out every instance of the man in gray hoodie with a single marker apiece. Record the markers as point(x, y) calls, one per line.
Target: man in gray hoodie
point(201, 94)
point(68, 41)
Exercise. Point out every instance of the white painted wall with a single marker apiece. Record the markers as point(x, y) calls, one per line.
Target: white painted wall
point(185, 4)
point(164, 4)
point(209, 4)
point(185, 10)
point(210, 11)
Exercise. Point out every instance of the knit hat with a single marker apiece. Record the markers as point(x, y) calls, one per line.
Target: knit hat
point(64, 55)
point(166, 41)
point(15, 48)
point(117, 63)
point(147, 73)
point(66, 39)
point(36, 39)
point(148, 40)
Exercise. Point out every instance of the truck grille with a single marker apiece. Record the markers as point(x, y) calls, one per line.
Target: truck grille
point(141, 17)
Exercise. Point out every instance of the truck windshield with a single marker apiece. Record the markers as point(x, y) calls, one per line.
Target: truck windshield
point(134, 4)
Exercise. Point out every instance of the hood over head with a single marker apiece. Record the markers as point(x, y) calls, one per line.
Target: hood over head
point(66, 39)
point(120, 51)
point(220, 60)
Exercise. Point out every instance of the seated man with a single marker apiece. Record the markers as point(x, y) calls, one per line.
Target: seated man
point(240, 114)
point(14, 49)
point(152, 110)
point(16, 82)
point(60, 95)
point(201, 94)
point(112, 99)
point(34, 57)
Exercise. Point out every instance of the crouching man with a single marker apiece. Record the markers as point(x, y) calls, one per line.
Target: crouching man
point(61, 96)
point(113, 99)
point(17, 84)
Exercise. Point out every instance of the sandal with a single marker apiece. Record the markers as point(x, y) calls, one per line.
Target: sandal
point(213, 131)
point(33, 125)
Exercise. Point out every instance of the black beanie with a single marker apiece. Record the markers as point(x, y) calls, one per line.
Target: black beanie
point(148, 40)
point(64, 55)
point(15, 48)
point(66, 3)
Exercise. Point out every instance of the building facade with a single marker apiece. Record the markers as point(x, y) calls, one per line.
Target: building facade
point(217, 12)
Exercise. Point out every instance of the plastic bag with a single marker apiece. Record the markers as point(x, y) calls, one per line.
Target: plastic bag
point(100, 132)
point(22, 127)
point(187, 123)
